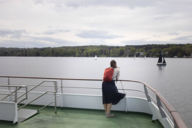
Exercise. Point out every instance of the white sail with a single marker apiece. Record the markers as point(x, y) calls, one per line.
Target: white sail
point(95, 57)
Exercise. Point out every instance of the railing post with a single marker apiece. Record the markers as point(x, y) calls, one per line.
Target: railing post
point(62, 93)
point(150, 103)
point(10, 97)
point(160, 107)
point(147, 94)
point(15, 94)
point(61, 86)
point(125, 98)
point(55, 96)
point(26, 89)
point(8, 81)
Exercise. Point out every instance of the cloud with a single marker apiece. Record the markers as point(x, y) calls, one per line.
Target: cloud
point(55, 41)
point(22, 43)
point(183, 38)
point(175, 33)
point(55, 31)
point(156, 36)
point(144, 42)
point(78, 3)
point(38, 1)
point(163, 6)
point(12, 33)
point(63, 22)
point(36, 42)
point(3, 1)
point(97, 34)
point(31, 41)
point(161, 17)
point(178, 40)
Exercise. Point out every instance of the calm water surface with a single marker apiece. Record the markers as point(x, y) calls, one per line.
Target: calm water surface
point(173, 81)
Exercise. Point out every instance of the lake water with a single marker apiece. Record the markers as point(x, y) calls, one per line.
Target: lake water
point(173, 81)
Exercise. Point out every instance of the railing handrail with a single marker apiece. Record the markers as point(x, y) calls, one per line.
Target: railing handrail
point(178, 120)
point(13, 85)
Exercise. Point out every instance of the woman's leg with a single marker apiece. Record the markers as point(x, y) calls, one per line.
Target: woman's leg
point(105, 107)
point(108, 110)
point(109, 107)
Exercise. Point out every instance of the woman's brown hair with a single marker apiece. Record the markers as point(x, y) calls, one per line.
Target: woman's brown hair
point(113, 64)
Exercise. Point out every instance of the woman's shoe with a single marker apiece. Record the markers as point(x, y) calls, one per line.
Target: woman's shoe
point(109, 115)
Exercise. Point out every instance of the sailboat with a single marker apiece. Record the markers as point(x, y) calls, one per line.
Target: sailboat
point(95, 57)
point(161, 60)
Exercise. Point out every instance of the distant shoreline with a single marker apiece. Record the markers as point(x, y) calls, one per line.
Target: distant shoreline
point(168, 50)
point(98, 57)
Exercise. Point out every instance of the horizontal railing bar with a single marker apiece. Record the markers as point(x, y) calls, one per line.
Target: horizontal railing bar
point(22, 86)
point(43, 85)
point(101, 88)
point(132, 90)
point(4, 93)
point(170, 108)
point(75, 79)
point(22, 91)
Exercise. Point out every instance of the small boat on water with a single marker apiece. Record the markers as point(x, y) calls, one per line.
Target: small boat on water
point(84, 110)
point(95, 57)
point(161, 61)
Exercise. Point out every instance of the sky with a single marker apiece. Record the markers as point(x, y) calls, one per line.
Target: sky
point(56, 23)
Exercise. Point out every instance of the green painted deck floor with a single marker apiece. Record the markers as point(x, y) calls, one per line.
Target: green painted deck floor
point(83, 118)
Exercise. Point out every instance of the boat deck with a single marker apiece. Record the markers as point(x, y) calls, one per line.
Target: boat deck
point(83, 118)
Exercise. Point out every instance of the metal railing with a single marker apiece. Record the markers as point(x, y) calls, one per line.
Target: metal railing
point(38, 98)
point(17, 87)
point(177, 120)
point(55, 96)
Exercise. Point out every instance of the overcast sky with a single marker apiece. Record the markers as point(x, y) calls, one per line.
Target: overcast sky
point(55, 23)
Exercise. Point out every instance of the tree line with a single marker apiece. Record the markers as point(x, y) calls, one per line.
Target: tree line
point(153, 50)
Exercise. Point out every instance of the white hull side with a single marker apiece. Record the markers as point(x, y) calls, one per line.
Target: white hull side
point(83, 101)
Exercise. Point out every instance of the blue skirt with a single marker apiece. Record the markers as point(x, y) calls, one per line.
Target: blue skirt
point(110, 93)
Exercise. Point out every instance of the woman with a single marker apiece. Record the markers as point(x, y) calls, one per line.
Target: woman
point(111, 96)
